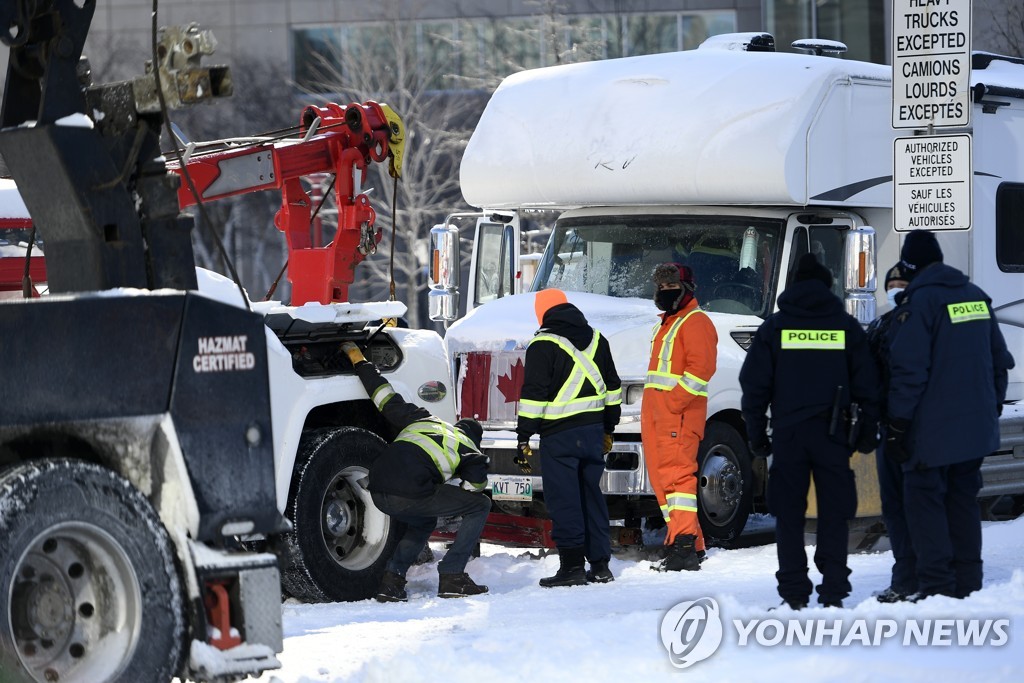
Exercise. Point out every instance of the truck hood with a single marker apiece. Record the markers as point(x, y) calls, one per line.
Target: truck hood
point(509, 323)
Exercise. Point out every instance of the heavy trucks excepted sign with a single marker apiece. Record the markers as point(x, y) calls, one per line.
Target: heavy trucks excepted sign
point(931, 63)
point(932, 183)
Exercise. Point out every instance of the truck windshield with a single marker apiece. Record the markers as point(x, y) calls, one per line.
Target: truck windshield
point(734, 260)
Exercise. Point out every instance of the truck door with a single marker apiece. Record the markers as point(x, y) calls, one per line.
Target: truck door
point(494, 270)
point(826, 240)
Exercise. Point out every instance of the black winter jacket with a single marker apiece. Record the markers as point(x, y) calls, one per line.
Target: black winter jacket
point(949, 365)
point(800, 383)
point(405, 469)
point(878, 342)
point(548, 366)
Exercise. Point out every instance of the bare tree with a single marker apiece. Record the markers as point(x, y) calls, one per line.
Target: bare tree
point(398, 63)
point(1005, 26)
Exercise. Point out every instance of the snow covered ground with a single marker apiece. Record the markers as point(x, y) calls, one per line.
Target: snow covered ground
point(521, 632)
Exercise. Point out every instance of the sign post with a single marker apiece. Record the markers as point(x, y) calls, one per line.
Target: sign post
point(931, 63)
point(932, 178)
point(931, 88)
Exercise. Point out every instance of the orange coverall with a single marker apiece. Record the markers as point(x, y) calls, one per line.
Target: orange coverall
point(673, 413)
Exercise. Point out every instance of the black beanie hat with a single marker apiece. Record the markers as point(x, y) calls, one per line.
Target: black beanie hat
point(472, 429)
point(809, 269)
point(897, 272)
point(920, 249)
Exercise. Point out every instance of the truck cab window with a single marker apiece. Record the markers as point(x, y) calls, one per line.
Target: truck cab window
point(492, 275)
point(826, 243)
point(734, 259)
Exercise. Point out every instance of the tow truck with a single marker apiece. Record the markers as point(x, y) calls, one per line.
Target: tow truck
point(174, 456)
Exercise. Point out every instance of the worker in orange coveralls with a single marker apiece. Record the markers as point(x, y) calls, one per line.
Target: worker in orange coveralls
point(675, 406)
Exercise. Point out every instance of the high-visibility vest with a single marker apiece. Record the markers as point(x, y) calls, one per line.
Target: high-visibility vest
point(441, 442)
point(567, 401)
point(662, 378)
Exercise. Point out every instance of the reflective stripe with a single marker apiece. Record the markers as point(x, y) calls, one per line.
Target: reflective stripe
point(382, 395)
point(662, 378)
point(968, 311)
point(444, 454)
point(567, 401)
point(814, 340)
point(686, 502)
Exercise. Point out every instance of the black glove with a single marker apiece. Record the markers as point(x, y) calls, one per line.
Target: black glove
point(760, 446)
point(896, 440)
point(867, 441)
point(523, 456)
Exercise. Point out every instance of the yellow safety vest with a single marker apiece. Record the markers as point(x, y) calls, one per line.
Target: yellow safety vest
point(441, 442)
point(567, 401)
point(662, 378)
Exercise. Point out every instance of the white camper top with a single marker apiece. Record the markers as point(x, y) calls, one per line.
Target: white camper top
point(704, 126)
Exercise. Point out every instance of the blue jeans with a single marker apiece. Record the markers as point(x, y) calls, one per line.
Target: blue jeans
point(571, 469)
point(420, 517)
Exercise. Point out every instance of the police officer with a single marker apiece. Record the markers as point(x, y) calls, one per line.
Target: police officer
point(903, 582)
point(949, 368)
point(810, 362)
point(571, 396)
point(409, 482)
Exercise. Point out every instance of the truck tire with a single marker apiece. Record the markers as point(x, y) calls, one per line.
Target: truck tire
point(89, 592)
point(724, 483)
point(340, 542)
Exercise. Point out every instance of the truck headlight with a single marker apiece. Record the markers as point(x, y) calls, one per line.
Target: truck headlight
point(633, 393)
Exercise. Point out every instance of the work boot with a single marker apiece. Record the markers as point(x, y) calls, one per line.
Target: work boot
point(795, 605)
point(457, 586)
point(392, 589)
point(599, 572)
point(571, 570)
point(682, 556)
point(890, 595)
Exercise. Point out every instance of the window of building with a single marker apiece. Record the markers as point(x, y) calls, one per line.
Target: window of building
point(1010, 227)
point(858, 23)
point(474, 53)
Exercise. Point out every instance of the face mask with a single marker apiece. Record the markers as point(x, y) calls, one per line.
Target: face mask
point(665, 299)
point(891, 295)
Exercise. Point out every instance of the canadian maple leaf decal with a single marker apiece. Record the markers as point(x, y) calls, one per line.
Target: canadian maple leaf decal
point(511, 384)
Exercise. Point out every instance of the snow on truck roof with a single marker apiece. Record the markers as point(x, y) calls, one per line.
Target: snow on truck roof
point(706, 126)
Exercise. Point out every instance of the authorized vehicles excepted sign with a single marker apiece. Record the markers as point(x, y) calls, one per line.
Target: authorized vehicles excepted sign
point(931, 63)
point(932, 183)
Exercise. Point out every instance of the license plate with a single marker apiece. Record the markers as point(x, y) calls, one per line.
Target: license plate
point(507, 487)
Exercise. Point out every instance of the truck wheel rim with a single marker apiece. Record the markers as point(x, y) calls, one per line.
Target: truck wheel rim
point(76, 605)
point(354, 530)
point(721, 485)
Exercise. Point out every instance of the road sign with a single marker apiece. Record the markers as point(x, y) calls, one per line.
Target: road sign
point(932, 183)
point(931, 63)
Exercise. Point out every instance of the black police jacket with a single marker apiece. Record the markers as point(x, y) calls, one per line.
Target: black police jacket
point(949, 368)
point(878, 342)
point(802, 356)
point(548, 366)
point(405, 469)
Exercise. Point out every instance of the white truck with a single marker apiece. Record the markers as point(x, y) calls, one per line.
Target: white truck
point(171, 455)
point(735, 162)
